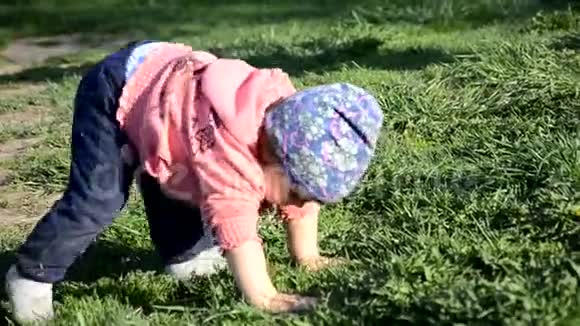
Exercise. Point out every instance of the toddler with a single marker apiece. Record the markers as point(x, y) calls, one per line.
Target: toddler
point(208, 141)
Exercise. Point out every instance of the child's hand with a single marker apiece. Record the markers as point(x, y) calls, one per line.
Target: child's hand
point(316, 263)
point(282, 302)
point(302, 236)
point(248, 265)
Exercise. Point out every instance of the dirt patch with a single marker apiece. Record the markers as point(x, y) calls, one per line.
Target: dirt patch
point(26, 115)
point(12, 148)
point(36, 50)
point(4, 177)
point(10, 69)
point(15, 90)
point(29, 117)
point(19, 207)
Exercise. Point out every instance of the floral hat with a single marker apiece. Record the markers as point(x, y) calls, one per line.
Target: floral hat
point(325, 137)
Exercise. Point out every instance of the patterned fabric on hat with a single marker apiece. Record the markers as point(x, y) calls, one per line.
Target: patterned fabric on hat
point(326, 138)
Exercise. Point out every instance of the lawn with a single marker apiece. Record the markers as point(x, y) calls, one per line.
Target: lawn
point(468, 215)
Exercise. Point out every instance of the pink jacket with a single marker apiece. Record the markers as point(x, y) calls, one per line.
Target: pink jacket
point(194, 121)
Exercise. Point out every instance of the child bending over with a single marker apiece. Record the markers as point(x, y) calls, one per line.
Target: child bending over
point(208, 140)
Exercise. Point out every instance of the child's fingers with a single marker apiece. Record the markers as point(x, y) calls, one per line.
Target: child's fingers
point(304, 303)
point(291, 303)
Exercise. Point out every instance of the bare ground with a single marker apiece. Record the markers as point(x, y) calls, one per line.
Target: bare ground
point(20, 206)
point(36, 50)
point(19, 89)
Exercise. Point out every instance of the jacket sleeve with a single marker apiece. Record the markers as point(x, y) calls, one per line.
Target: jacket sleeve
point(229, 203)
point(231, 178)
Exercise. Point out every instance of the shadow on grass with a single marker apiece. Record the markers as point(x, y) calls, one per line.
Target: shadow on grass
point(109, 259)
point(316, 56)
point(103, 270)
point(567, 42)
point(102, 259)
point(450, 14)
point(323, 55)
point(45, 74)
point(182, 17)
point(155, 19)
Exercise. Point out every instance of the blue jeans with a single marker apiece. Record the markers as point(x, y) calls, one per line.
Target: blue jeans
point(98, 186)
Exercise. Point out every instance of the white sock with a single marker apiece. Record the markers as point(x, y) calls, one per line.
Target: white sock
point(207, 260)
point(30, 301)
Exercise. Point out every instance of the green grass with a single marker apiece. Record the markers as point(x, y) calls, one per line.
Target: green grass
point(468, 215)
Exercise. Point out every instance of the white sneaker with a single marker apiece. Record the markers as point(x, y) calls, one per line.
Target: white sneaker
point(208, 260)
point(30, 301)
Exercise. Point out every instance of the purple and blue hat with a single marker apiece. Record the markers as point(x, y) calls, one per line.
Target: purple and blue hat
point(326, 137)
